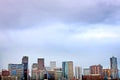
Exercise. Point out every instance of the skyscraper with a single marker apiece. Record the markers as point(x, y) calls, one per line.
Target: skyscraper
point(52, 65)
point(67, 70)
point(25, 68)
point(78, 73)
point(113, 67)
point(96, 69)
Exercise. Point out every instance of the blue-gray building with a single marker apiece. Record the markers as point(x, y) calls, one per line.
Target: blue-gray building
point(114, 67)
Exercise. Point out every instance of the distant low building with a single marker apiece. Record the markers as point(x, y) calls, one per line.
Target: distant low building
point(86, 71)
point(52, 65)
point(107, 73)
point(5, 73)
point(9, 78)
point(93, 77)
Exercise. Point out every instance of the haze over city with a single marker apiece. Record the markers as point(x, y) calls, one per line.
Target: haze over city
point(86, 32)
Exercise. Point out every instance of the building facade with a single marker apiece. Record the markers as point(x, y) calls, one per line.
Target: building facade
point(67, 70)
point(16, 70)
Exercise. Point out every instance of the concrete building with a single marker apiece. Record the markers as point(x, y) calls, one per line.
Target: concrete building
point(96, 69)
point(86, 71)
point(52, 65)
point(78, 73)
point(16, 70)
point(114, 67)
point(67, 70)
point(25, 68)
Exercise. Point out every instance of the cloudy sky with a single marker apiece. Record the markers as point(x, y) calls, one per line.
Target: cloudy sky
point(86, 32)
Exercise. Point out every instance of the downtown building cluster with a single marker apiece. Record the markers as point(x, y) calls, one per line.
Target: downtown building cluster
point(67, 72)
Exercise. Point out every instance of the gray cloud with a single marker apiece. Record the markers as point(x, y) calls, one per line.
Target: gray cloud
point(23, 14)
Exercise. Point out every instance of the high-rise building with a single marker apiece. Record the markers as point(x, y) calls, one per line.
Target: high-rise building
point(41, 68)
point(16, 70)
point(52, 65)
point(113, 67)
point(86, 71)
point(40, 63)
point(67, 70)
point(25, 68)
point(78, 73)
point(96, 69)
point(34, 71)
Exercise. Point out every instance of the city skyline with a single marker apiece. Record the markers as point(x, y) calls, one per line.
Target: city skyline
point(85, 32)
point(67, 71)
point(40, 62)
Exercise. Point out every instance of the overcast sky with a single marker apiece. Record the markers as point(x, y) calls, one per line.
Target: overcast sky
point(86, 32)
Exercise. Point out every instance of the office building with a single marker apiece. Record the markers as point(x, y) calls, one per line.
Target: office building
point(78, 73)
point(41, 68)
point(25, 68)
point(16, 70)
point(67, 70)
point(114, 67)
point(34, 71)
point(96, 69)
